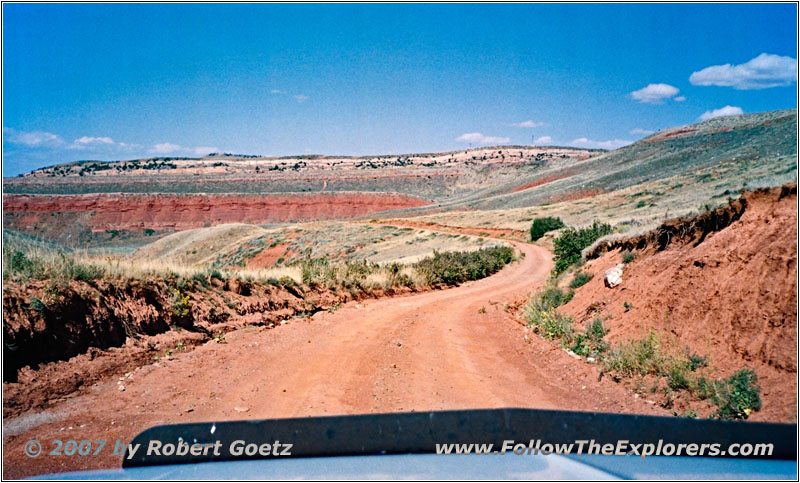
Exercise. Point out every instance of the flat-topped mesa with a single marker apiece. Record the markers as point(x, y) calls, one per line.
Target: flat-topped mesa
point(229, 164)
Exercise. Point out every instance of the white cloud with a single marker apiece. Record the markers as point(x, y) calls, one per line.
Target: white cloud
point(32, 138)
point(543, 140)
point(90, 143)
point(166, 148)
point(722, 111)
point(105, 144)
point(610, 144)
point(169, 148)
point(478, 138)
point(301, 98)
point(204, 150)
point(529, 124)
point(764, 71)
point(276, 91)
point(680, 99)
point(641, 132)
point(41, 139)
point(655, 93)
point(91, 140)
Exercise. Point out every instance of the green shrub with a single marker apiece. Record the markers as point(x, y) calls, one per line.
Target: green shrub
point(628, 256)
point(551, 297)
point(738, 396)
point(540, 226)
point(591, 341)
point(201, 279)
point(580, 279)
point(80, 271)
point(550, 324)
point(214, 273)
point(571, 242)
point(697, 361)
point(451, 268)
point(541, 314)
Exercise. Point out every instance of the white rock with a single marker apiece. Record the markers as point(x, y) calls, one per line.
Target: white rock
point(613, 276)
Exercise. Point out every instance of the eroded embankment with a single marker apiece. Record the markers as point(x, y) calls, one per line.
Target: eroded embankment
point(59, 338)
point(180, 212)
point(723, 283)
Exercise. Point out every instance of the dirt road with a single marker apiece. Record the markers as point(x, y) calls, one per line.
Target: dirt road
point(450, 349)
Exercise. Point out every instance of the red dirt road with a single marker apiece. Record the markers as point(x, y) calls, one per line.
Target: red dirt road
point(429, 351)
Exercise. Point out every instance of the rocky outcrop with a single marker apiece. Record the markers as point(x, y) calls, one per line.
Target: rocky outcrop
point(613, 276)
point(181, 212)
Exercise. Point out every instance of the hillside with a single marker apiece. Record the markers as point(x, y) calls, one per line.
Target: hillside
point(673, 172)
point(732, 145)
point(724, 285)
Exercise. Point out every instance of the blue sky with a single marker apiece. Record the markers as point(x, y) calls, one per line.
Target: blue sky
point(87, 81)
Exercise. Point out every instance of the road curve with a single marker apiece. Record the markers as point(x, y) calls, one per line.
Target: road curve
point(449, 349)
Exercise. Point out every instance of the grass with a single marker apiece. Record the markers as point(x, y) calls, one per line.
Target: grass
point(734, 398)
point(541, 314)
point(638, 357)
point(550, 323)
point(580, 279)
point(24, 261)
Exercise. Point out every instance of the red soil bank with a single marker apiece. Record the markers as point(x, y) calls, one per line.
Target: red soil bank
point(730, 294)
point(180, 212)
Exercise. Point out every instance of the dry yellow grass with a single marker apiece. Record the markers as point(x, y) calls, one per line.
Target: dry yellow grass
point(116, 267)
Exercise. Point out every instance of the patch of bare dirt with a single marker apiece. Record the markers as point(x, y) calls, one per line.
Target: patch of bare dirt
point(576, 195)
point(267, 257)
point(723, 283)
